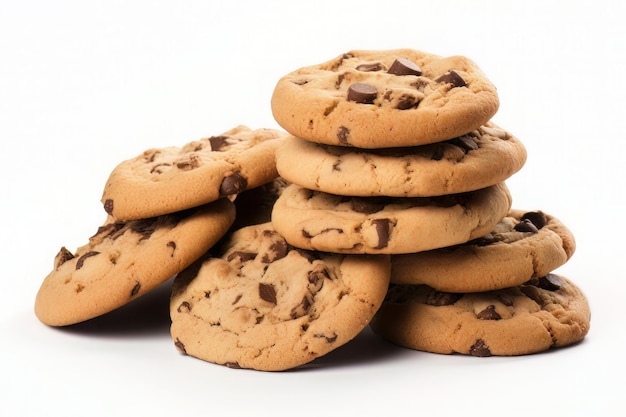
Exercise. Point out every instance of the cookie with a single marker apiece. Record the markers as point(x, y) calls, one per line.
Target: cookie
point(255, 206)
point(267, 306)
point(386, 225)
point(481, 158)
point(381, 99)
point(167, 180)
point(124, 260)
point(524, 245)
point(548, 312)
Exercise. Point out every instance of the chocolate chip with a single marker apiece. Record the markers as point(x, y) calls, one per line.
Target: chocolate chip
point(180, 346)
point(550, 282)
point(302, 308)
point(278, 249)
point(108, 206)
point(241, 256)
point(135, 289)
point(343, 133)
point(465, 142)
point(184, 306)
point(316, 278)
point(525, 226)
point(480, 349)
point(535, 217)
point(406, 101)
point(439, 298)
point(383, 227)
point(362, 93)
point(232, 365)
point(370, 67)
point(438, 152)
point(188, 164)
point(402, 66)
point(366, 205)
point(81, 260)
point(452, 77)
point(63, 256)
point(267, 293)
point(489, 313)
point(218, 142)
point(233, 184)
point(329, 339)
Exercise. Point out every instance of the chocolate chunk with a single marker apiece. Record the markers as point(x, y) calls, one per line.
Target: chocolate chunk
point(135, 289)
point(465, 142)
point(81, 260)
point(402, 66)
point(439, 298)
point(383, 229)
point(278, 249)
point(267, 292)
point(108, 206)
point(233, 184)
point(180, 346)
point(232, 365)
point(525, 226)
point(536, 217)
point(505, 300)
point(63, 256)
point(302, 308)
point(550, 282)
point(452, 77)
point(316, 279)
point(362, 93)
point(406, 101)
point(480, 349)
point(366, 205)
point(242, 256)
point(188, 164)
point(439, 152)
point(343, 133)
point(489, 313)
point(218, 142)
point(370, 67)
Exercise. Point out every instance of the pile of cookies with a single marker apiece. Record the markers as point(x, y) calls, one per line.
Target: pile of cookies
point(384, 203)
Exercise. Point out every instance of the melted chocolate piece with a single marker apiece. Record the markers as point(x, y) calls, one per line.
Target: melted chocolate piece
point(480, 349)
point(366, 205)
point(343, 133)
point(440, 298)
point(489, 313)
point(452, 77)
point(526, 226)
point(278, 250)
point(465, 142)
point(535, 217)
point(242, 256)
point(362, 93)
point(370, 67)
point(267, 292)
point(108, 206)
point(135, 289)
point(383, 227)
point(402, 66)
point(180, 346)
point(550, 282)
point(63, 256)
point(81, 260)
point(233, 184)
point(218, 142)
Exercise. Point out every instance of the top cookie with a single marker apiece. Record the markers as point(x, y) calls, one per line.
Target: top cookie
point(167, 180)
point(378, 99)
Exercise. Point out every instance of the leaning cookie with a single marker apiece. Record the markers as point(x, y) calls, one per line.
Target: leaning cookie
point(380, 99)
point(386, 225)
point(478, 159)
point(522, 246)
point(267, 306)
point(124, 260)
point(548, 312)
point(162, 181)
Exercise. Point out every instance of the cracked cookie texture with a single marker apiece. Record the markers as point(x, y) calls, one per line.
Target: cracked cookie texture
point(522, 246)
point(165, 180)
point(483, 157)
point(384, 98)
point(125, 260)
point(265, 305)
point(385, 225)
point(544, 313)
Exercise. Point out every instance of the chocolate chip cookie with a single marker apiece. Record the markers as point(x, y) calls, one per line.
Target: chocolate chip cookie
point(484, 157)
point(124, 260)
point(381, 99)
point(265, 305)
point(162, 181)
point(522, 246)
point(333, 223)
point(544, 313)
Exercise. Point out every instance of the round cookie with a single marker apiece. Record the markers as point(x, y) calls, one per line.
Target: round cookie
point(483, 157)
point(386, 225)
point(548, 312)
point(381, 99)
point(522, 246)
point(268, 306)
point(167, 180)
point(125, 260)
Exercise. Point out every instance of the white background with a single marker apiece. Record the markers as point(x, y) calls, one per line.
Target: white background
point(84, 85)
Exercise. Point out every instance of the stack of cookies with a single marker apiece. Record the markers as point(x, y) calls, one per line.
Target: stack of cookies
point(393, 152)
point(383, 204)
